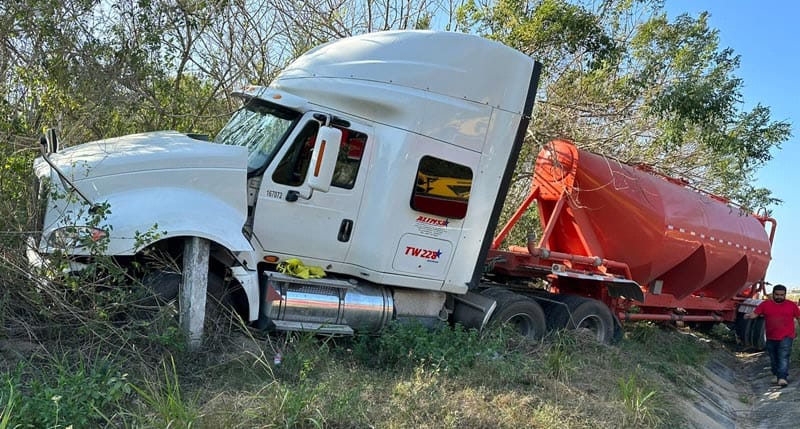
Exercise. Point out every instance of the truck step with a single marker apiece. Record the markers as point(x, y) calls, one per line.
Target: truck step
point(322, 328)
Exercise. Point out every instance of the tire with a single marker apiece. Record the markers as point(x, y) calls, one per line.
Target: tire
point(162, 285)
point(751, 332)
point(519, 311)
point(740, 327)
point(579, 313)
point(757, 335)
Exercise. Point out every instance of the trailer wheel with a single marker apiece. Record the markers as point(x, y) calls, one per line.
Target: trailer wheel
point(751, 332)
point(519, 311)
point(757, 334)
point(579, 313)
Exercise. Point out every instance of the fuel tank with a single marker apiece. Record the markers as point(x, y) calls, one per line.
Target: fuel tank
point(675, 239)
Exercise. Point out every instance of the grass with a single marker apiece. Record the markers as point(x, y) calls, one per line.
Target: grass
point(63, 391)
point(164, 403)
point(640, 402)
point(8, 407)
point(408, 378)
point(83, 364)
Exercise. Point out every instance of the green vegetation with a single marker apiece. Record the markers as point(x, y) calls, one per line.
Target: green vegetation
point(410, 377)
point(57, 392)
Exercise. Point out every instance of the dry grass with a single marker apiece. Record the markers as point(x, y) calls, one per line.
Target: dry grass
point(331, 387)
point(407, 378)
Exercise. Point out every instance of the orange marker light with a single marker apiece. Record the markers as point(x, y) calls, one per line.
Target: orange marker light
point(319, 159)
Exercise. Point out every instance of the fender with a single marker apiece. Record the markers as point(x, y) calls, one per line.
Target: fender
point(154, 214)
point(177, 212)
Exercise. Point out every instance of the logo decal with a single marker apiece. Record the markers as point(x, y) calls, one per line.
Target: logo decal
point(432, 221)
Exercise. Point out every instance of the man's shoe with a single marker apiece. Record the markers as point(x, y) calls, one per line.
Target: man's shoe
point(782, 382)
point(775, 380)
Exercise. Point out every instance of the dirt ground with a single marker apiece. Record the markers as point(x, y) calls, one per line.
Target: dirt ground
point(738, 394)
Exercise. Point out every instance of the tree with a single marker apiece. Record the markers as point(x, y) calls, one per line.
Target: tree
point(622, 80)
point(619, 77)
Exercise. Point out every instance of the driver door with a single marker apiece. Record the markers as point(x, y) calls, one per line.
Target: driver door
point(318, 226)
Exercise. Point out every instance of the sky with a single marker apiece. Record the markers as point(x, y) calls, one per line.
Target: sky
point(766, 35)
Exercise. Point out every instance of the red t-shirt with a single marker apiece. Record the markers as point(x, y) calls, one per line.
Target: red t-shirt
point(779, 318)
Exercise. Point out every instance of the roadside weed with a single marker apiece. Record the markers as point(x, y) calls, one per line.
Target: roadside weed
point(165, 401)
point(640, 401)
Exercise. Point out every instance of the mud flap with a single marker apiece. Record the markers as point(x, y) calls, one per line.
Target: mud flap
point(623, 288)
point(617, 287)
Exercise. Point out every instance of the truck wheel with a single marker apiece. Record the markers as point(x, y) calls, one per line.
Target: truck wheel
point(519, 311)
point(740, 327)
point(165, 285)
point(162, 285)
point(580, 313)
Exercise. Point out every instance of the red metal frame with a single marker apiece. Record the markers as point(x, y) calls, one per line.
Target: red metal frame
point(515, 218)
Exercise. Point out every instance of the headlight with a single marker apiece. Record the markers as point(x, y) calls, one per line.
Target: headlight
point(75, 236)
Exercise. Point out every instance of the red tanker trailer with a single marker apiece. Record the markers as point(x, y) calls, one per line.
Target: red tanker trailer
point(648, 246)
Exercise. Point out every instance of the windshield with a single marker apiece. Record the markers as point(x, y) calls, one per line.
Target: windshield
point(261, 128)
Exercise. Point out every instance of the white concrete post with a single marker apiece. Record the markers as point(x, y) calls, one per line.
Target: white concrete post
point(194, 284)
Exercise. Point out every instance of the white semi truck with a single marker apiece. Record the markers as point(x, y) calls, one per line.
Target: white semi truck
point(383, 159)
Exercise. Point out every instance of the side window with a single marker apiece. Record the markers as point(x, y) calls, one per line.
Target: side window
point(346, 171)
point(442, 188)
point(293, 167)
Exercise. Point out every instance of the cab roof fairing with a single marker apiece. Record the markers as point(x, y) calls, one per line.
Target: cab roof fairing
point(455, 65)
point(274, 96)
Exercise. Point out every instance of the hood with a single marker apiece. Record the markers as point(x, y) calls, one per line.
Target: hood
point(161, 150)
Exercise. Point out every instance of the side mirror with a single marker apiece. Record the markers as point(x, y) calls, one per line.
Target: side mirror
point(49, 141)
point(323, 161)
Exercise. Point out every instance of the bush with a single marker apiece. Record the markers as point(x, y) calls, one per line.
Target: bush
point(408, 345)
point(58, 393)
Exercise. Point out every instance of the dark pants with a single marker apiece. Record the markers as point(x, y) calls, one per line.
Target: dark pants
point(779, 352)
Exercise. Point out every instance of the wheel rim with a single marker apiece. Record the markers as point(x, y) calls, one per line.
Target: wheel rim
point(594, 325)
point(522, 323)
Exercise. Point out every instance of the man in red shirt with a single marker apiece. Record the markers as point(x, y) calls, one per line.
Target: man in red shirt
point(779, 315)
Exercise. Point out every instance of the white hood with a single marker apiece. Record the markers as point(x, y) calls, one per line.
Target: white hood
point(186, 187)
point(162, 150)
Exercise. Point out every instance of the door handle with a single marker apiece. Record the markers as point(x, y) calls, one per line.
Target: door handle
point(344, 230)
